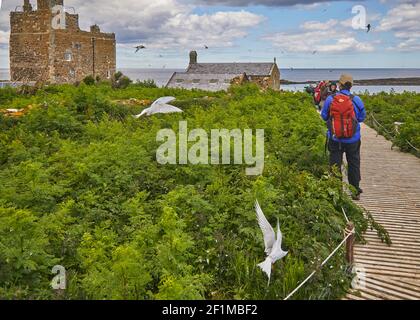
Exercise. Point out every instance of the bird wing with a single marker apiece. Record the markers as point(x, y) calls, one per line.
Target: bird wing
point(279, 238)
point(277, 253)
point(163, 100)
point(266, 228)
point(164, 108)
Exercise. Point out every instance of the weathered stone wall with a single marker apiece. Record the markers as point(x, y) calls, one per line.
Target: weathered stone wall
point(265, 82)
point(276, 78)
point(105, 57)
point(91, 54)
point(239, 80)
point(72, 22)
point(29, 39)
point(40, 53)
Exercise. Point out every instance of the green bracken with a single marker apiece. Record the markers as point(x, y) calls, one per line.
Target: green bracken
point(80, 187)
point(389, 109)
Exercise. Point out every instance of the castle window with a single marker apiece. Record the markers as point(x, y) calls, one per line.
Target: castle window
point(68, 56)
point(77, 46)
point(72, 73)
point(179, 80)
point(214, 81)
point(196, 81)
point(108, 74)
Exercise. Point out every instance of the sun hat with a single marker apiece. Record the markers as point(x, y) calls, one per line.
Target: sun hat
point(346, 78)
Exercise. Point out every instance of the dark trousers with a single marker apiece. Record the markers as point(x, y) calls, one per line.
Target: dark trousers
point(352, 151)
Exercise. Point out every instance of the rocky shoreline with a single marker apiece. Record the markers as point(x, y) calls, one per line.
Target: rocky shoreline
point(370, 82)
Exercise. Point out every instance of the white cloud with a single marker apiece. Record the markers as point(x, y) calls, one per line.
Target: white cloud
point(411, 44)
point(403, 21)
point(312, 6)
point(328, 37)
point(404, 17)
point(158, 23)
point(346, 44)
point(319, 25)
point(4, 37)
point(218, 29)
point(271, 3)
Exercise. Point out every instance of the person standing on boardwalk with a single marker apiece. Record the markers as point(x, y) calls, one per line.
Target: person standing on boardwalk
point(343, 113)
point(332, 89)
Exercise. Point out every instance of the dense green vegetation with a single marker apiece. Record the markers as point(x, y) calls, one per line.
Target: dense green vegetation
point(388, 108)
point(80, 187)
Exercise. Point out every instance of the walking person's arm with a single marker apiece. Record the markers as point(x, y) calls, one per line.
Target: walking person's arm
point(360, 109)
point(325, 113)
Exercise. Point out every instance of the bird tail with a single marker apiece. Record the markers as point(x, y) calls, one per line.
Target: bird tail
point(266, 267)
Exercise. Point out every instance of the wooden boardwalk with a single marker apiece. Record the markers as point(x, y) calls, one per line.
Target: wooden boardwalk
point(391, 184)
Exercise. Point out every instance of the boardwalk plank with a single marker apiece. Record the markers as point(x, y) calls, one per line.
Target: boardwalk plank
point(391, 184)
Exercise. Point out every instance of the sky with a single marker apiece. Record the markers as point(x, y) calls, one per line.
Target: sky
point(299, 33)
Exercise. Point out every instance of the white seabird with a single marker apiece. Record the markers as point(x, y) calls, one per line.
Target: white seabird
point(159, 106)
point(272, 242)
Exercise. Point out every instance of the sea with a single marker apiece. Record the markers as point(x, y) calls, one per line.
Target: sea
point(162, 76)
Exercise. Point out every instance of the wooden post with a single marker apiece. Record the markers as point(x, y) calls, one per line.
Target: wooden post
point(350, 243)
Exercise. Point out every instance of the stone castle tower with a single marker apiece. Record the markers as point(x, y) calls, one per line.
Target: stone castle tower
point(41, 51)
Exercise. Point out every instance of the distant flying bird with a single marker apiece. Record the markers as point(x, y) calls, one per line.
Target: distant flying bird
point(140, 47)
point(368, 27)
point(314, 52)
point(272, 242)
point(160, 106)
point(206, 47)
